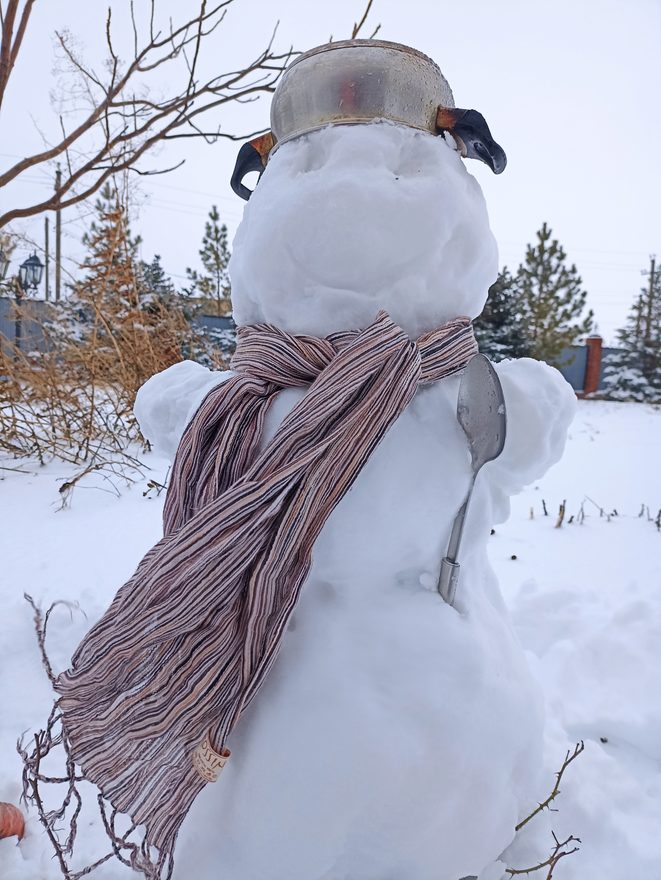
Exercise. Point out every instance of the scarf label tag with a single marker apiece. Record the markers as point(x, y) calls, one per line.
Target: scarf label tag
point(208, 762)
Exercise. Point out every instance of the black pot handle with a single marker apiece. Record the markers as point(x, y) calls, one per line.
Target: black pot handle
point(252, 156)
point(471, 132)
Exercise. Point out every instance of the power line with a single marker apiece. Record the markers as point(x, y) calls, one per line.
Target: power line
point(153, 183)
point(519, 244)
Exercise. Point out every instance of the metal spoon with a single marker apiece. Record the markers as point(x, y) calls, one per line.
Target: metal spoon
point(481, 413)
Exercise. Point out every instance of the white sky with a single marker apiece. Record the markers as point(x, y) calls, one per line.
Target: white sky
point(570, 89)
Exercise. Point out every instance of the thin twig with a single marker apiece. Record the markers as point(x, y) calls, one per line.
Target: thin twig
point(569, 757)
point(559, 852)
point(40, 626)
point(357, 27)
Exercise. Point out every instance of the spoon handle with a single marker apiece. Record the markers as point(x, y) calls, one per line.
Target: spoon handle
point(458, 524)
point(449, 576)
point(448, 580)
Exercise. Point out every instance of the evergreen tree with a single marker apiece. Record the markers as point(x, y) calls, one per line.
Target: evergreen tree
point(634, 372)
point(552, 299)
point(209, 346)
point(155, 282)
point(215, 255)
point(126, 326)
point(110, 263)
point(499, 329)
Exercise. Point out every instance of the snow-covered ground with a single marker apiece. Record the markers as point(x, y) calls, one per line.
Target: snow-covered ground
point(585, 599)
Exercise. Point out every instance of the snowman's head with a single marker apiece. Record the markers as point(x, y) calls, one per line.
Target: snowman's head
point(350, 219)
point(363, 205)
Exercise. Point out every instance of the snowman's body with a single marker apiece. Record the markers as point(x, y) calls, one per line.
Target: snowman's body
point(396, 738)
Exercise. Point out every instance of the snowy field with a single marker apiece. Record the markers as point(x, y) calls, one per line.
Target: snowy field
point(585, 599)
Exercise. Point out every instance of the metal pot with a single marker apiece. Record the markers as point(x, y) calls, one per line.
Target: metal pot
point(360, 81)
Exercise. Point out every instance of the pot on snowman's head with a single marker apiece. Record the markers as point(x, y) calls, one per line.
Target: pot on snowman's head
point(360, 81)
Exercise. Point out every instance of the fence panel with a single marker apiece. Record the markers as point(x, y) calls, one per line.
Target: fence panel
point(29, 323)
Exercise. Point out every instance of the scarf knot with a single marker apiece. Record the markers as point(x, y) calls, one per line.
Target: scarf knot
point(267, 352)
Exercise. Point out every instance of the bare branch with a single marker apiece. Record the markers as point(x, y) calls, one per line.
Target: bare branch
point(357, 27)
point(109, 37)
point(151, 21)
point(135, 29)
point(75, 61)
point(559, 852)
point(9, 44)
point(569, 757)
point(123, 122)
point(156, 171)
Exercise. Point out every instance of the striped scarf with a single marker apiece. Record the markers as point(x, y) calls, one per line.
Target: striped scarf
point(160, 681)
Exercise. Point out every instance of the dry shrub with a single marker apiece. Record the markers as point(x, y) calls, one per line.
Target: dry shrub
point(73, 400)
point(71, 396)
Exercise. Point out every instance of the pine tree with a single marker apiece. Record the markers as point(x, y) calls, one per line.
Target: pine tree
point(215, 255)
point(499, 329)
point(110, 263)
point(634, 372)
point(155, 282)
point(552, 298)
point(210, 346)
point(125, 325)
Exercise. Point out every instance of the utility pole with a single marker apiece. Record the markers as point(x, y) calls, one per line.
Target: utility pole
point(648, 357)
point(58, 236)
point(46, 259)
point(650, 294)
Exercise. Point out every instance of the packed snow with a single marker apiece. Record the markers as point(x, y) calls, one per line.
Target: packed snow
point(382, 695)
point(352, 219)
point(396, 736)
point(584, 601)
point(375, 661)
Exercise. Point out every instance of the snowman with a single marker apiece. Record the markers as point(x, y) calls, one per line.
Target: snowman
point(397, 736)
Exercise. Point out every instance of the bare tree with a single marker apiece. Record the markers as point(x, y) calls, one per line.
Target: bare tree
point(120, 120)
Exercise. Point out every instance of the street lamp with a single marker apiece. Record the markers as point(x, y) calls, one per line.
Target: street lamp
point(29, 277)
point(30, 273)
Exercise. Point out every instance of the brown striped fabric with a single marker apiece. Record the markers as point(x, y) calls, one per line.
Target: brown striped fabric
point(189, 639)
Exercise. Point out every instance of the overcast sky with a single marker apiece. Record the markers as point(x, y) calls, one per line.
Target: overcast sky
point(570, 89)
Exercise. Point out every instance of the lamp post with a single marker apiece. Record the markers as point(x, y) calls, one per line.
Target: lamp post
point(29, 277)
point(30, 273)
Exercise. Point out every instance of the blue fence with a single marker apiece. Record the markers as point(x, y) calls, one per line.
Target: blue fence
point(26, 323)
point(573, 363)
point(29, 323)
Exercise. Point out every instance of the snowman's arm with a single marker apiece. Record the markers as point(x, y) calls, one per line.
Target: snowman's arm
point(540, 407)
point(166, 403)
